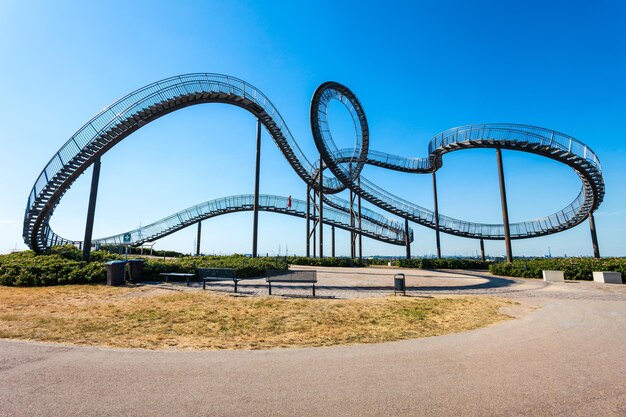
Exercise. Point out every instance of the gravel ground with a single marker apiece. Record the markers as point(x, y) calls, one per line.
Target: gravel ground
point(348, 283)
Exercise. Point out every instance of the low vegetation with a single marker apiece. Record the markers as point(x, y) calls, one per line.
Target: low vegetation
point(244, 266)
point(418, 263)
point(444, 263)
point(573, 268)
point(59, 267)
point(336, 262)
point(63, 265)
point(152, 318)
point(119, 250)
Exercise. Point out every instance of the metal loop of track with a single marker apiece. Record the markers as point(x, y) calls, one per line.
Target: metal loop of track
point(155, 100)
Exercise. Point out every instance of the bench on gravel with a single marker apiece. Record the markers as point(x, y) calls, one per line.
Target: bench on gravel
point(217, 274)
point(293, 277)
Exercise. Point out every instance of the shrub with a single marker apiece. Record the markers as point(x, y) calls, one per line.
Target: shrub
point(55, 267)
point(121, 250)
point(337, 262)
point(62, 265)
point(444, 263)
point(573, 268)
point(244, 267)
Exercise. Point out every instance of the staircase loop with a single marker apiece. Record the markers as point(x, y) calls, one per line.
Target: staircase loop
point(135, 110)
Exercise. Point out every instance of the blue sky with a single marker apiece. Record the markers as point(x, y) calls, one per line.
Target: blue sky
point(418, 68)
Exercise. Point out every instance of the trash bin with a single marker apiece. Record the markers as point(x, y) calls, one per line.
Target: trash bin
point(399, 284)
point(135, 269)
point(116, 272)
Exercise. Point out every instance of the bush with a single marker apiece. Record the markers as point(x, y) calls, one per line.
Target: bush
point(62, 265)
point(121, 250)
point(444, 263)
point(573, 268)
point(337, 262)
point(56, 267)
point(244, 267)
point(419, 263)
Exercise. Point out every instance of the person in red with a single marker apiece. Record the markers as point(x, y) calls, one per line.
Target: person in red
point(289, 202)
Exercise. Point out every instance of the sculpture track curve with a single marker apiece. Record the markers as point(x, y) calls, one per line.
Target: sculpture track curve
point(142, 106)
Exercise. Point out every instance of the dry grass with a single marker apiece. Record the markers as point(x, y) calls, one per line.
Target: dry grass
point(153, 318)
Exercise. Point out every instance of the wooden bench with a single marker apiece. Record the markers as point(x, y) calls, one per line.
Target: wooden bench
point(217, 274)
point(299, 277)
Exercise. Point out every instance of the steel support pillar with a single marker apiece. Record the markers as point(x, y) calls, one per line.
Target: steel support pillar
point(255, 227)
point(482, 250)
point(594, 236)
point(321, 204)
point(407, 239)
point(436, 206)
point(360, 234)
point(308, 222)
point(332, 239)
point(198, 238)
point(91, 209)
point(352, 225)
point(314, 232)
point(505, 210)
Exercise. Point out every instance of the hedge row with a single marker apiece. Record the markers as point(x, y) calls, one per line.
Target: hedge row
point(337, 262)
point(419, 263)
point(573, 268)
point(245, 267)
point(445, 263)
point(117, 249)
point(63, 265)
point(28, 269)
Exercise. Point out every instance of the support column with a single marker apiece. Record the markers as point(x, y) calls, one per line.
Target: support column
point(505, 210)
point(198, 238)
point(314, 224)
point(594, 236)
point(332, 236)
point(308, 222)
point(360, 234)
point(407, 239)
point(352, 224)
point(255, 227)
point(437, 237)
point(482, 249)
point(91, 209)
point(321, 222)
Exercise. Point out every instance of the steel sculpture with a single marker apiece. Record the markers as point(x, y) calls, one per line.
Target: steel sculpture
point(142, 106)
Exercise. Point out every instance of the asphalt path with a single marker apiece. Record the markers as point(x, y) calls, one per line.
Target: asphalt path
point(565, 356)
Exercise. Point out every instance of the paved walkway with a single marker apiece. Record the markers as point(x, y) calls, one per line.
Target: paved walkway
point(566, 357)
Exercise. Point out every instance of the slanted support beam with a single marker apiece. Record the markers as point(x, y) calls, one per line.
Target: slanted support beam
point(436, 207)
point(482, 250)
point(91, 209)
point(255, 227)
point(407, 239)
point(505, 209)
point(594, 236)
point(198, 238)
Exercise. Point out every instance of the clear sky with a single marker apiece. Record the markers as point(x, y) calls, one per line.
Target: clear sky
point(418, 68)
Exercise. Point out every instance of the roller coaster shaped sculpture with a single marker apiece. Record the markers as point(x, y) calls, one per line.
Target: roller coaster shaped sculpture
point(140, 107)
